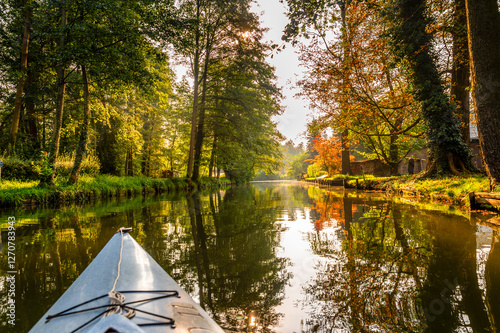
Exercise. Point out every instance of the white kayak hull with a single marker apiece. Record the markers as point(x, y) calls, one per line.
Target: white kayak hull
point(169, 309)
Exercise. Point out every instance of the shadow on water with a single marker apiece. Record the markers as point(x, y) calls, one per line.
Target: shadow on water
point(377, 265)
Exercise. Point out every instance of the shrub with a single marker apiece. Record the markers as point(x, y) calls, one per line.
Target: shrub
point(90, 165)
point(14, 168)
point(314, 171)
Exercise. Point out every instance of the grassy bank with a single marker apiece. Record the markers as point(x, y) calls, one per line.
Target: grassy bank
point(16, 193)
point(452, 189)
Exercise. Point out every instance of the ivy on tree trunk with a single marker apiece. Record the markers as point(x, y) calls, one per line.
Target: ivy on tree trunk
point(412, 44)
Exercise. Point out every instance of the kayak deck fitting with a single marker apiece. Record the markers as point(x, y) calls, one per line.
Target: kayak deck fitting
point(125, 290)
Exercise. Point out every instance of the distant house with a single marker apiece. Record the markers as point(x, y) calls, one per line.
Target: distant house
point(420, 156)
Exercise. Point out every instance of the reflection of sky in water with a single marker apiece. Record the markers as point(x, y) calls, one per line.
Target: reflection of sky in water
point(483, 238)
point(297, 248)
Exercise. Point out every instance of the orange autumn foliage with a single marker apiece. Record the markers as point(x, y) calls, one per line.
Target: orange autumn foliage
point(328, 154)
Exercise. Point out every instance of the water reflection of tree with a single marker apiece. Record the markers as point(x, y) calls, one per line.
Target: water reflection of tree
point(222, 249)
point(55, 248)
point(492, 273)
point(385, 264)
point(368, 284)
point(235, 256)
point(290, 197)
point(397, 269)
point(49, 257)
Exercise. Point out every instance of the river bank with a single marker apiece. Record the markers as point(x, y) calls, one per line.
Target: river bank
point(17, 193)
point(464, 191)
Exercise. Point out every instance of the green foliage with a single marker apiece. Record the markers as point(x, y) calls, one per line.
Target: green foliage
point(140, 118)
point(15, 168)
point(261, 175)
point(314, 171)
point(90, 165)
point(121, 46)
point(298, 166)
point(43, 167)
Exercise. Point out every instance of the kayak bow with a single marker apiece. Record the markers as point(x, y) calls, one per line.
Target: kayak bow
point(125, 290)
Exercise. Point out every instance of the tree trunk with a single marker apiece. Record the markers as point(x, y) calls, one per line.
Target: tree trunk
point(196, 71)
point(483, 22)
point(129, 163)
point(61, 88)
point(394, 148)
point(211, 165)
point(460, 72)
point(345, 154)
point(27, 12)
point(344, 137)
point(200, 134)
point(147, 134)
point(396, 128)
point(82, 144)
point(412, 42)
point(31, 121)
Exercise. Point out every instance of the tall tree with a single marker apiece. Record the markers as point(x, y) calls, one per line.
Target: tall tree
point(412, 44)
point(196, 85)
point(48, 179)
point(346, 50)
point(82, 143)
point(352, 82)
point(245, 98)
point(483, 22)
point(316, 18)
point(27, 14)
point(218, 41)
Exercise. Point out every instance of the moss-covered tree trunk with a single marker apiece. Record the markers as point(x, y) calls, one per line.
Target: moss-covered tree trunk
point(460, 69)
point(483, 20)
point(344, 135)
point(448, 153)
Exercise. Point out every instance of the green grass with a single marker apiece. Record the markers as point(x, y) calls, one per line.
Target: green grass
point(16, 193)
point(453, 186)
point(453, 189)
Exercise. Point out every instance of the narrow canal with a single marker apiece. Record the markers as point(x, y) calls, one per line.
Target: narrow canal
point(286, 256)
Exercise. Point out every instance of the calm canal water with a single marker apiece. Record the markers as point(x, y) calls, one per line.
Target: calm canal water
point(299, 258)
